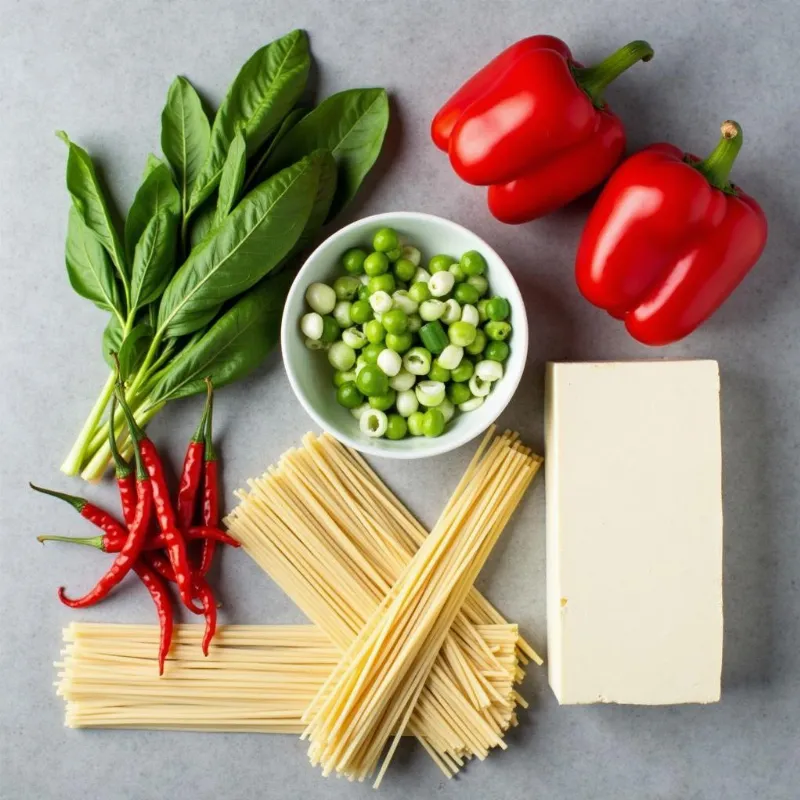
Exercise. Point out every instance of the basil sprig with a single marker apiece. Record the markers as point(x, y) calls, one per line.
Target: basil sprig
point(193, 281)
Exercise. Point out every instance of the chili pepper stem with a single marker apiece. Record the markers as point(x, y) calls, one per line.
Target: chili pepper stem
point(717, 166)
point(78, 503)
point(593, 80)
point(89, 541)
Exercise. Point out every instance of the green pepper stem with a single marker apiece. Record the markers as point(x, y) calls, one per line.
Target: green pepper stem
point(78, 503)
point(210, 452)
point(200, 433)
point(593, 80)
point(122, 467)
point(136, 434)
point(89, 541)
point(717, 166)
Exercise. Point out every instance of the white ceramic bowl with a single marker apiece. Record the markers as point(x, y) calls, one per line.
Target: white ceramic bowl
point(310, 373)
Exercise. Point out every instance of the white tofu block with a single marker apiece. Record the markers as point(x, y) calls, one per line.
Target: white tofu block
point(634, 532)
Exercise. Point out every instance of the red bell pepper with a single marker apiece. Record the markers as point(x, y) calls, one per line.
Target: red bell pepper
point(534, 125)
point(669, 239)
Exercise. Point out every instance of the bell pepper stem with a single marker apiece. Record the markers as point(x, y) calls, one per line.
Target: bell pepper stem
point(593, 80)
point(717, 166)
point(89, 541)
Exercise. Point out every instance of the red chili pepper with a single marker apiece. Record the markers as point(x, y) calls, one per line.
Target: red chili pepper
point(96, 515)
point(192, 471)
point(669, 239)
point(160, 594)
point(175, 547)
point(126, 480)
point(200, 589)
point(134, 542)
point(533, 124)
point(210, 489)
point(113, 543)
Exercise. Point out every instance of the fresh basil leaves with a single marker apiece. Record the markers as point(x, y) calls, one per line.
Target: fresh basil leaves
point(192, 283)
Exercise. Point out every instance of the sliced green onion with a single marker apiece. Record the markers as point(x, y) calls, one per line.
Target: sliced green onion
point(311, 325)
point(359, 411)
point(489, 371)
point(341, 313)
point(431, 310)
point(407, 403)
point(434, 336)
point(448, 410)
point(441, 283)
point(478, 387)
point(417, 361)
point(341, 356)
point(421, 276)
point(412, 254)
point(430, 393)
point(451, 356)
point(452, 312)
point(373, 422)
point(403, 381)
point(346, 287)
point(321, 298)
point(316, 344)
point(389, 362)
point(405, 302)
point(471, 404)
point(470, 314)
point(354, 338)
point(414, 323)
point(381, 302)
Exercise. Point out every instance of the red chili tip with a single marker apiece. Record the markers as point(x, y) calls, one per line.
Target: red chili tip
point(160, 667)
point(62, 596)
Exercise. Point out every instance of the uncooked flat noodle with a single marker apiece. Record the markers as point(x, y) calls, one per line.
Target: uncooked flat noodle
point(336, 540)
point(257, 678)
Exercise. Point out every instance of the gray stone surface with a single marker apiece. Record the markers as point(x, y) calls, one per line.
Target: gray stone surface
point(100, 70)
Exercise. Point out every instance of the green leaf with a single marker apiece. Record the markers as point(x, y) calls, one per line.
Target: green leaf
point(352, 125)
point(90, 202)
point(151, 163)
point(154, 259)
point(260, 231)
point(326, 190)
point(90, 271)
point(261, 95)
point(232, 179)
point(185, 136)
point(202, 224)
point(258, 173)
point(112, 340)
point(133, 349)
point(233, 346)
point(156, 194)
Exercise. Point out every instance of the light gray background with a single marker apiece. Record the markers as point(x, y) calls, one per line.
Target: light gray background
point(100, 70)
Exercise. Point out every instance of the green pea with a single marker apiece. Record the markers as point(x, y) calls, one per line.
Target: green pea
point(465, 293)
point(394, 255)
point(414, 422)
point(458, 273)
point(340, 378)
point(361, 312)
point(462, 333)
point(473, 263)
point(496, 351)
point(498, 309)
point(480, 283)
point(386, 239)
point(419, 292)
point(372, 382)
point(440, 263)
point(383, 402)
point(376, 264)
point(396, 427)
point(482, 304)
point(348, 395)
point(433, 423)
point(404, 270)
point(463, 372)
point(346, 287)
point(371, 353)
point(363, 292)
point(395, 321)
point(458, 393)
point(497, 331)
point(381, 283)
point(374, 331)
point(399, 342)
point(477, 346)
point(438, 373)
point(330, 329)
point(353, 261)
